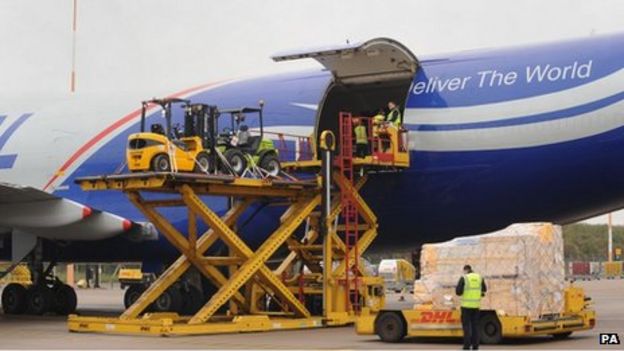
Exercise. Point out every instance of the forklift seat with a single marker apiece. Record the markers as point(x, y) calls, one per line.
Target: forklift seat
point(252, 145)
point(243, 136)
point(157, 129)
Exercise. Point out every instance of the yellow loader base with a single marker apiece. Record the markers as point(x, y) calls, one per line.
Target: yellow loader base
point(393, 326)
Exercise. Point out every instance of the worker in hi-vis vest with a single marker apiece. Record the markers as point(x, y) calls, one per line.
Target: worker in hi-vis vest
point(361, 139)
point(471, 287)
point(394, 114)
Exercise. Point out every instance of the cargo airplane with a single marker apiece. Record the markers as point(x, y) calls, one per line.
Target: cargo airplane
point(496, 136)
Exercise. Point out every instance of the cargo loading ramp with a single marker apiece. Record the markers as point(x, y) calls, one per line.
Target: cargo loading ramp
point(248, 278)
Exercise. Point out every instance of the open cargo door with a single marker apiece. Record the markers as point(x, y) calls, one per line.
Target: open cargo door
point(366, 76)
point(375, 60)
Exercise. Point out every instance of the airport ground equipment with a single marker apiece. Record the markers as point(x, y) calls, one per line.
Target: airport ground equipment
point(612, 269)
point(338, 227)
point(398, 274)
point(37, 290)
point(259, 298)
point(18, 274)
point(168, 148)
point(129, 276)
point(255, 151)
point(387, 146)
point(423, 321)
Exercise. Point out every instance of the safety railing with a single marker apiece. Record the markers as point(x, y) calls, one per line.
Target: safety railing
point(292, 147)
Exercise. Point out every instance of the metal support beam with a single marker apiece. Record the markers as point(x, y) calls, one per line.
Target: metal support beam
point(175, 271)
point(297, 213)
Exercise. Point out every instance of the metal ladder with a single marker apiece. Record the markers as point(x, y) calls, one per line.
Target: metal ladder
point(349, 211)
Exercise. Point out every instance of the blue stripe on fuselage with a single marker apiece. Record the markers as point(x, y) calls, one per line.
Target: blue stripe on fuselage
point(541, 117)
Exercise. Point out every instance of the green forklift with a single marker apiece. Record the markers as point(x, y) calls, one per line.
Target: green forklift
point(243, 151)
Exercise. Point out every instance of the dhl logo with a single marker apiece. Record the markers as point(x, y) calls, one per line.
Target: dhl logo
point(436, 317)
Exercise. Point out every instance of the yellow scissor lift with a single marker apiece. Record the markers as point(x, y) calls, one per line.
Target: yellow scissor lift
point(249, 283)
point(255, 297)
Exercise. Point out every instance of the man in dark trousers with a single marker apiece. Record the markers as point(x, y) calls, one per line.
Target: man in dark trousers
point(471, 287)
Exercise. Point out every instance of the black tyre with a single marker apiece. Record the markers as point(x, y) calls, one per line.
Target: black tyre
point(40, 300)
point(132, 294)
point(490, 331)
point(192, 300)
point(390, 327)
point(270, 163)
point(314, 304)
point(203, 163)
point(161, 163)
point(14, 299)
point(168, 301)
point(561, 336)
point(237, 160)
point(65, 300)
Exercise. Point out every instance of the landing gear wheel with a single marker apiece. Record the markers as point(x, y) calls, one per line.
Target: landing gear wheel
point(490, 331)
point(132, 294)
point(161, 163)
point(237, 160)
point(168, 301)
point(14, 299)
point(203, 163)
point(561, 336)
point(271, 164)
point(65, 300)
point(40, 299)
point(390, 327)
point(192, 300)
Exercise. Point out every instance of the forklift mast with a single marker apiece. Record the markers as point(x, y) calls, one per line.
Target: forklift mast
point(165, 104)
point(200, 120)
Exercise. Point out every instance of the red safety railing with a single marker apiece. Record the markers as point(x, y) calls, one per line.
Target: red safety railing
point(300, 146)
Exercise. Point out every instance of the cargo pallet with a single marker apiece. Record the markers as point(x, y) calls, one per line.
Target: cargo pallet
point(340, 227)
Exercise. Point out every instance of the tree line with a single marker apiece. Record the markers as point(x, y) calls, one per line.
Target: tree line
point(588, 242)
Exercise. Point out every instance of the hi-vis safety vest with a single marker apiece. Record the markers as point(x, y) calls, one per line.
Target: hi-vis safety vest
point(471, 298)
point(394, 118)
point(360, 135)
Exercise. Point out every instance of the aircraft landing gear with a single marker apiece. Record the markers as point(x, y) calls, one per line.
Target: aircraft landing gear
point(14, 299)
point(46, 294)
point(65, 299)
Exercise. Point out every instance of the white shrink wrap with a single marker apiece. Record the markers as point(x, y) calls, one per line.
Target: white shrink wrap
point(522, 265)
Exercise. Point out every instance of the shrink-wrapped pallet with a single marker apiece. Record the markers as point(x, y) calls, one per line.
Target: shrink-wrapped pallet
point(522, 265)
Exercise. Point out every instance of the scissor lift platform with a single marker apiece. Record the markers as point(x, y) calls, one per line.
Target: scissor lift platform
point(242, 277)
point(202, 183)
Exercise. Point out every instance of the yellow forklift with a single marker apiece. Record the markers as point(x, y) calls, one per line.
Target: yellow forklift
point(166, 148)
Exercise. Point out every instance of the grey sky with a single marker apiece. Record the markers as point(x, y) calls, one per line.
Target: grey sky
point(125, 44)
point(156, 45)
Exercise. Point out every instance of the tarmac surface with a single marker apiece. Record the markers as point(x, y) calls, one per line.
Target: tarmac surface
point(50, 332)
